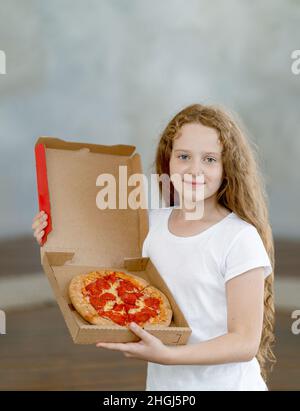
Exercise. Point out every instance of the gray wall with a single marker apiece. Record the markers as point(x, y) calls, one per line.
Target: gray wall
point(116, 71)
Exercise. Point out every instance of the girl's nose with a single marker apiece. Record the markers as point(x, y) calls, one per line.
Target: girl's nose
point(195, 170)
point(191, 176)
point(196, 167)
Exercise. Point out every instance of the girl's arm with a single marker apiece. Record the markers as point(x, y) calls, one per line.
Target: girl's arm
point(245, 307)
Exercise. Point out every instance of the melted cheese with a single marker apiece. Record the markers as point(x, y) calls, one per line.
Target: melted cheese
point(113, 291)
point(140, 304)
point(109, 305)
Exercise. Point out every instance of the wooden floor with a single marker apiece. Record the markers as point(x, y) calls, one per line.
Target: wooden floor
point(37, 353)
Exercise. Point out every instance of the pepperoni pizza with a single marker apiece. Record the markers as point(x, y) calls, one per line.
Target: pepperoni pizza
point(117, 298)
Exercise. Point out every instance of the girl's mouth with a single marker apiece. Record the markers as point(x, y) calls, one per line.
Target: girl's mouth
point(193, 183)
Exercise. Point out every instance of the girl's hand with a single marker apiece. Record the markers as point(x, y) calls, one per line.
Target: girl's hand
point(38, 225)
point(149, 348)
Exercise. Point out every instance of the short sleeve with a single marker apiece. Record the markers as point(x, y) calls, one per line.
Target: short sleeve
point(247, 251)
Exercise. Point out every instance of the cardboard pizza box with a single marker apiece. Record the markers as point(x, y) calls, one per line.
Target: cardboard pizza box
point(81, 237)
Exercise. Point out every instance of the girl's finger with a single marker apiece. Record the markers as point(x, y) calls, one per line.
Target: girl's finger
point(35, 223)
point(113, 346)
point(41, 225)
point(38, 234)
point(128, 355)
point(37, 231)
point(140, 332)
point(38, 215)
point(39, 218)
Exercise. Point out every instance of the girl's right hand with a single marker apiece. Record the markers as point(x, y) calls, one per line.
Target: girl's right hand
point(38, 225)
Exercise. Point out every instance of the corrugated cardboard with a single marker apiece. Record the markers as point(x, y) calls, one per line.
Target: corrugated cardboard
point(82, 238)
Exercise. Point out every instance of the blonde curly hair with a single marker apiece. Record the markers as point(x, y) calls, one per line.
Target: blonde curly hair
point(242, 191)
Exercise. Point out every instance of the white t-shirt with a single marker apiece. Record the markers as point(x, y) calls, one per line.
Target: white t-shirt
point(208, 259)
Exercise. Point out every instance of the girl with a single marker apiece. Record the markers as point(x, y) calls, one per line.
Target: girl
point(227, 256)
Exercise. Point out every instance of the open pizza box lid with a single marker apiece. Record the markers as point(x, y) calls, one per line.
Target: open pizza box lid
point(81, 237)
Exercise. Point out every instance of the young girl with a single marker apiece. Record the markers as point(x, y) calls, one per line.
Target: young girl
point(219, 267)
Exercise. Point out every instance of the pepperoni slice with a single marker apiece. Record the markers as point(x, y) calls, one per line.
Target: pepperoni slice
point(111, 278)
point(107, 297)
point(92, 288)
point(119, 307)
point(118, 318)
point(97, 286)
point(141, 317)
point(102, 284)
point(139, 295)
point(152, 302)
point(127, 286)
point(129, 298)
point(122, 290)
point(96, 303)
point(149, 311)
point(129, 307)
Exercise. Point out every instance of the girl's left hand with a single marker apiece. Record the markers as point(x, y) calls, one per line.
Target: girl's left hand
point(149, 348)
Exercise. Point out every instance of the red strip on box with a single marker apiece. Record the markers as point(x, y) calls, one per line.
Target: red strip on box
point(42, 186)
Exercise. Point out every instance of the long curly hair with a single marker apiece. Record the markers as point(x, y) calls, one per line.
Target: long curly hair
point(242, 191)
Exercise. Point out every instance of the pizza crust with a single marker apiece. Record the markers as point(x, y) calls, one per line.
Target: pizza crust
point(81, 303)
point(165, 316)
point(83, 306)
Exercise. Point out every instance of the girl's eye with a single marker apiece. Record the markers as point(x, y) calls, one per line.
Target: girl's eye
point(211, 158)
point(182, 155)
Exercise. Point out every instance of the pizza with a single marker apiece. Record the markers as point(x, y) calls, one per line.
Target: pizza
point(107, 297)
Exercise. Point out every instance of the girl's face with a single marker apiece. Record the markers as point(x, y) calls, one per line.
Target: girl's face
point(197, 151)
